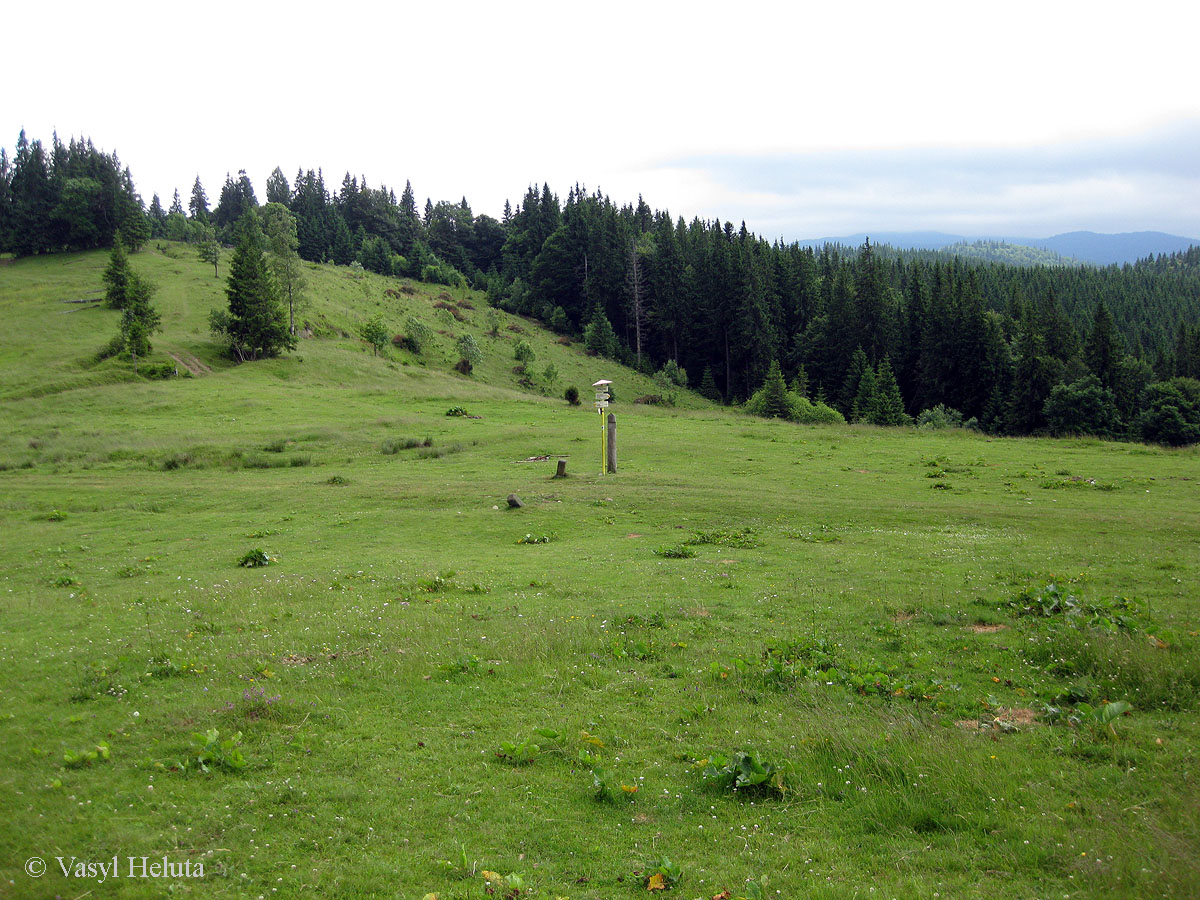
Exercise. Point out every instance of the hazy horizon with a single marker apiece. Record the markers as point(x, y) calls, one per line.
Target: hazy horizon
point(801, 122)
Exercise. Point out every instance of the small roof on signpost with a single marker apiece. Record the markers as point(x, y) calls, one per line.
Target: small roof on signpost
point(601, 383)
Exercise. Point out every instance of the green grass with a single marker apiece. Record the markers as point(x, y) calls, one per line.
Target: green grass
point(395, 665)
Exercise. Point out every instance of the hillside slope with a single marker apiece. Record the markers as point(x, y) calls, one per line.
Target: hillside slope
point(423, 687)
point(49, 349)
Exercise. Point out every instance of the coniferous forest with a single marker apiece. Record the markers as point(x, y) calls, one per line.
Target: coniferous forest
point(882, 336)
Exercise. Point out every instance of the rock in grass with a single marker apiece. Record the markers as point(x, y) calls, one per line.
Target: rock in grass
point(514, 501)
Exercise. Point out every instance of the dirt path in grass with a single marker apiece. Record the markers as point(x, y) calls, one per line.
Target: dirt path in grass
point(189, 362)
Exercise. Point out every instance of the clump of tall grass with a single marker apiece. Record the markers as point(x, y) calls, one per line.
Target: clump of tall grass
point(392, 446)
point(1147, 671)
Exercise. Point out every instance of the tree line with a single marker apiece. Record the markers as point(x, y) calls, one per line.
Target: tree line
point(68, 197)
point(1113, 351)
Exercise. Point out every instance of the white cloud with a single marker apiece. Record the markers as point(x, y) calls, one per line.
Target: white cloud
point(482, 98)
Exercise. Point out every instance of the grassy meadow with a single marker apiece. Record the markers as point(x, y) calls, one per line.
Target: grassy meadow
point(906, 645)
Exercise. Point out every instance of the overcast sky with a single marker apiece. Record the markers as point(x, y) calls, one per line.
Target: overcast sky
point(805, 121)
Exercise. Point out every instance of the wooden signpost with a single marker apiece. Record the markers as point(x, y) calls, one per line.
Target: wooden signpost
point(608, 430)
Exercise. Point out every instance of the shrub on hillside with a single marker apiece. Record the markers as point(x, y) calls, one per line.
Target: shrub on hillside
point(468, 354)
point(418, 334)
point(672, 375)
point(1082, 407)
point(1171, 412)
point(809, 412)
point(942, 416)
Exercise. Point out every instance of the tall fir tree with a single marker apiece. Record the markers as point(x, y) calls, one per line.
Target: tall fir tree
point(278, 189)
point(116, 275)
point(256, 324)
point(771, 399)
point(889, 404)
point(859, 366)
point(1103, 351)
point(866, 399)
point(198, 204)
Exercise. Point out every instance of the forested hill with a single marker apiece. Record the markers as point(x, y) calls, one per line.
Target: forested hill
point(990, 340)
point(988, 251)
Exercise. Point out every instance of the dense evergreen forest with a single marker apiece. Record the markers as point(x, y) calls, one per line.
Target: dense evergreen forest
point(884, 337)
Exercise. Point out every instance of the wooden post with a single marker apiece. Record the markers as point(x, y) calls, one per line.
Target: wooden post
point(612, 442)
point(562, 469)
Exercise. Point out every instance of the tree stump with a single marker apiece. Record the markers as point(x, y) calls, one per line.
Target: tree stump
point(562, 469)
point(514, 501)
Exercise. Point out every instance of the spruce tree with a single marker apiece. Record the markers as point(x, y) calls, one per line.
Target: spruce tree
point(130, 292)
point(708, 386)
point(598, 336)
point(158, 218)
point(342, 252)
point(1033, 378)
point(256, 325)
point(116, 275)
point(889, 405)
point(771, 400)
point(858, 366)
point(198, 205)
point(1103, 351)
point(278, 189)
point(866, 400)
point(138, 318)
point(799, 385)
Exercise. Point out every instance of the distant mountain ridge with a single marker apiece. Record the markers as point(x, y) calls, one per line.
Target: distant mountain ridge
point(1083, 246)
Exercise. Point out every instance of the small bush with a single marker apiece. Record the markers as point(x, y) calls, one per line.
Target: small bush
point(418, 334)
point(571, 395)
point(745, 773)
point(464, 367)
point(469, 352)
point(742, 539)
point(939, 417)
point(523, 353)
point(210, 753)
point(392, 447)
point(257, 461)
point(672, 375)
point(157, 370)
point(177, 461)
point(115, 347)
point(537, 538)
point(457, 411)
point(254, 559)
point(681, 551)
point(84, 758)
point(807, 412)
